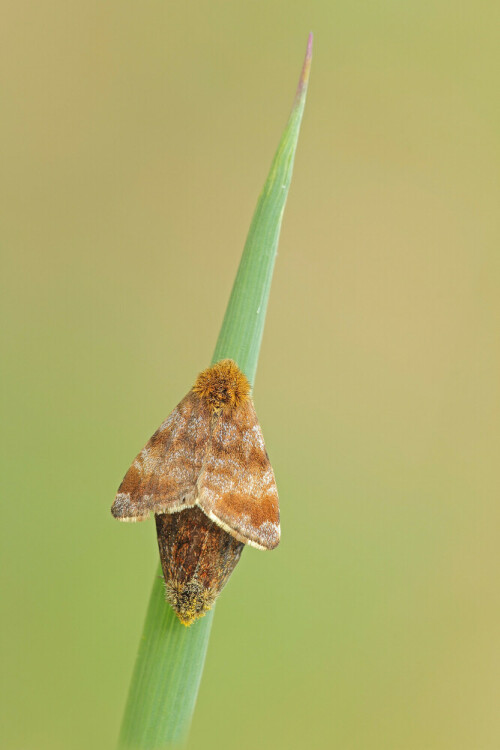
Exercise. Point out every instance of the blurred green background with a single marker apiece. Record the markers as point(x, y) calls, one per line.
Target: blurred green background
point(135, 139)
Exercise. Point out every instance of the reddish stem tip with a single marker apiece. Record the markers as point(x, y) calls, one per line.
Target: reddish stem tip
point(304, 76)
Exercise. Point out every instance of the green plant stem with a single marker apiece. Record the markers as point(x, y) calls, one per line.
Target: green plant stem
point(170, 660)
point(241, 333)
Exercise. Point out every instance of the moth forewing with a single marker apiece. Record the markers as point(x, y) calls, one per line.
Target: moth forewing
point(236, 487)
point(162, 478)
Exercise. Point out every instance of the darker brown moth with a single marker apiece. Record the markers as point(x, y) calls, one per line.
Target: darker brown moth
point(206, 476)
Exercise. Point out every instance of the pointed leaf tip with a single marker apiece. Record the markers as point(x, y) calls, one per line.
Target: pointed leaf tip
point(304, 76)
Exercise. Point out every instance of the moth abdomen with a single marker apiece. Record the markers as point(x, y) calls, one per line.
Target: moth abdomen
point(197, 558)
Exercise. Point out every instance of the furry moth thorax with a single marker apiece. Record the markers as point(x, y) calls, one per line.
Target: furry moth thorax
point(223, 386)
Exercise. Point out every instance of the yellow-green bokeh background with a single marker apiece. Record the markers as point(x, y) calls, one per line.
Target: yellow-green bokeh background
point(135, 140)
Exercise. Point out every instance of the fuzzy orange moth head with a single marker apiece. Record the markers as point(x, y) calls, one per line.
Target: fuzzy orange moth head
point(222, 386)
point(206, 476)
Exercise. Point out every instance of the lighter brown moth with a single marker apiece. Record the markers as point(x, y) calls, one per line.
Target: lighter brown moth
point(206, 476)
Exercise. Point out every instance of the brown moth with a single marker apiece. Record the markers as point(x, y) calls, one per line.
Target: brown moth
point(206, 476)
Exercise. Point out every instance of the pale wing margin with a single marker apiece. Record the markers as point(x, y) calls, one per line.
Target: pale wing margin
point(162, 479)
point(236, 487)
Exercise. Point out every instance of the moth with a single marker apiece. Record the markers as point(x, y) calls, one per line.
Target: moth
point(206, 476)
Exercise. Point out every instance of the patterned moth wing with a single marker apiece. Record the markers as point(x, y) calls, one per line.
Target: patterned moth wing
point(236, 487)
point(162, 479)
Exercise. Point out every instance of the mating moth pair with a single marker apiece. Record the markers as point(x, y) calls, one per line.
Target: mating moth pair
point(206, 476)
